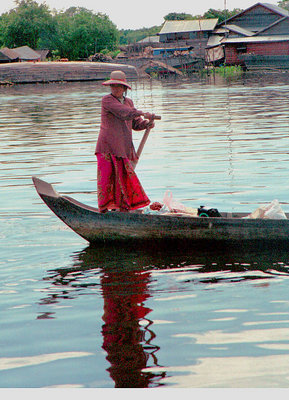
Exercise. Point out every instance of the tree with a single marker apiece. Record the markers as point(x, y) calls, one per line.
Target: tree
point(177, 16)
point(284, 4)
point(222, 15)
point(80, 33)
point(26, 24)
point(128, 36)
point(75, 33)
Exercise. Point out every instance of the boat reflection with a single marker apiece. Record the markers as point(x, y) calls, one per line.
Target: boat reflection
point(125, 278)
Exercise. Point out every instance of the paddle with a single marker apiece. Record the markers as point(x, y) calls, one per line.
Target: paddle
point(143, 141)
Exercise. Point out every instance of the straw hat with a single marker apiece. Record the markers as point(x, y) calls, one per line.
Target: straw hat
point(117, 78)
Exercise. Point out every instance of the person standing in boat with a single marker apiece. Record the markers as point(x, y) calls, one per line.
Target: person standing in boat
point(118, 187)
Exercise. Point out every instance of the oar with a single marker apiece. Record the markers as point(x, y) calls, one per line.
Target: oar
point(143, 141)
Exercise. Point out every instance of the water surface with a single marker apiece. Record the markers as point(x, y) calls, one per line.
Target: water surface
point(77, 316)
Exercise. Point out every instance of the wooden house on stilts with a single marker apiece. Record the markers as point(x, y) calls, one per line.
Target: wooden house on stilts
point(258, 37)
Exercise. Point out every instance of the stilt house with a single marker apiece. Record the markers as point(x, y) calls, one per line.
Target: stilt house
point(258, 36)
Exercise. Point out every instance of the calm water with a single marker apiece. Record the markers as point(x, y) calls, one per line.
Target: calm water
point(75, 316)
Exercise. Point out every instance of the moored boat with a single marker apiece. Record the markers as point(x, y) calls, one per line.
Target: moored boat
point(119, 227)
point(53, 71)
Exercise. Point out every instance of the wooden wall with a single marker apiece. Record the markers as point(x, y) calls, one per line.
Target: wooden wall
point(280, 28)
point(274, 48)
point(255, 18)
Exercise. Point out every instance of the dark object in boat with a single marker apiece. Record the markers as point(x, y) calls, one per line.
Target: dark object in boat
point(212, 212)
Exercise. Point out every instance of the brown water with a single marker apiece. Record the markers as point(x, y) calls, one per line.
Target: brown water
point(75, 316)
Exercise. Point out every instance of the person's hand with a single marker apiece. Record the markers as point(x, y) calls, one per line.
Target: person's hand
point(149, 116)
point(151, 124)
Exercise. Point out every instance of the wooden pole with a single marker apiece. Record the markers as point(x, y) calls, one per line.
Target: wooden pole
point(143, 141)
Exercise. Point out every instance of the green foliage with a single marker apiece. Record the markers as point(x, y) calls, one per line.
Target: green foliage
point(284, 4)
point(75, 33)
point(110, 53)
point(229, 70)
point(177, 16)
point(128, 36)
point(222, 15)
point(3, 24)
point(26, 24)
point(80, 33)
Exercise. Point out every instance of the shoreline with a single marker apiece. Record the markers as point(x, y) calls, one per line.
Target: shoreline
point(86, 71)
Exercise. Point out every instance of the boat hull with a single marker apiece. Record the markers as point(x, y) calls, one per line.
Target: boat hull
point(115, 227)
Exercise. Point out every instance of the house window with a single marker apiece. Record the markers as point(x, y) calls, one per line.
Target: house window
point(193, 35)
point(183, 36)
point(241, 49)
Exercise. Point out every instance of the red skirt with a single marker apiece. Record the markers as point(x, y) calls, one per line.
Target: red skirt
point(118, 187)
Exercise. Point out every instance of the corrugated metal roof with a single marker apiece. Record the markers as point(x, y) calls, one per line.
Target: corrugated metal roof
point(9, 53)
point(271, 25)
point(276, 9)
point(220, 30)
point(193, 25)
point(148, 39)
point(252, 39)
point(43, 53)
point(238, 29)
point(272, 7)
point(26, 53)
point(214, 41)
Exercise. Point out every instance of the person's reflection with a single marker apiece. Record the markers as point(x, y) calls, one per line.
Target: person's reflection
point(127, 335)
point(125, 340)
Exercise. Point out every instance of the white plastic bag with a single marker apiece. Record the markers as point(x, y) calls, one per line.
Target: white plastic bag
point(271, 211)
point(175, 206)
point(274, 211)
point(171, 203)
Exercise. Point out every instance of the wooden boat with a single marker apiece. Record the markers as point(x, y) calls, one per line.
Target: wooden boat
point(50, 71)
point(119, 227)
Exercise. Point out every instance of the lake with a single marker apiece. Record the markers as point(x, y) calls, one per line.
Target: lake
point(73, 316)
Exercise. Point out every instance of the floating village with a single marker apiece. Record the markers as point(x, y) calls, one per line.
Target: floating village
point(256, 38)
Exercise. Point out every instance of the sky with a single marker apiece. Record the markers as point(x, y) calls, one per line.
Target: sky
point(135, 14)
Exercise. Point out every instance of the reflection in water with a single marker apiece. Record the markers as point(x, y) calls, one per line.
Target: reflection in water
point(221, 144)
point(128, 345)
point(127, 277)
point(127, 332)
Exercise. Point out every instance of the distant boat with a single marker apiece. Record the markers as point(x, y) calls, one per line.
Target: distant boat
point(113, 227)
